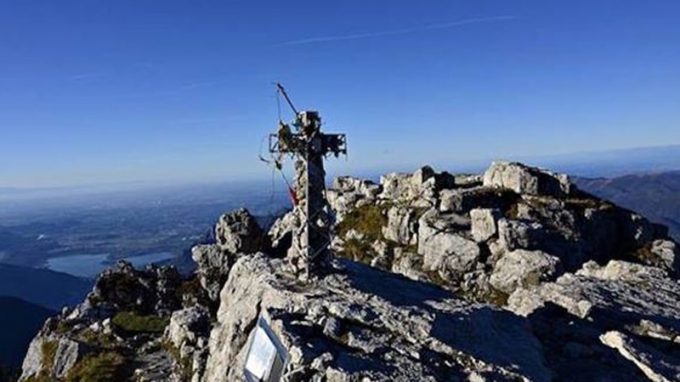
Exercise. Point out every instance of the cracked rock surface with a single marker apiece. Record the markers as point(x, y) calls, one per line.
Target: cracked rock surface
point(352, 325)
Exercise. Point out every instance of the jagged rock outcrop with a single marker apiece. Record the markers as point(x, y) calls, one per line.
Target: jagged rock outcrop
point(460, 229)
point(484, 223)
point(665, 254)
point(111, 330)
point(236, 233)
point(351, 325)
point(347, 193)
point(52, 356)
point(444, 249)
point(149, 291)
point(188, 332)
point(526, 180)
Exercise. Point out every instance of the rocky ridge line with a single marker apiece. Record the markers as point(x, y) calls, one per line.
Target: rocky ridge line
point(514, 274)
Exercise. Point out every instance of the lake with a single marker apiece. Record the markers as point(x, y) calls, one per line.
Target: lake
point(90, 266)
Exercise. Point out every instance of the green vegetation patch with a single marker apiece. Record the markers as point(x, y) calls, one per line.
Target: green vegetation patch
point(135, 323)
point(367, 220)
point(97, 339)
point(102, 367)
point(49, 352)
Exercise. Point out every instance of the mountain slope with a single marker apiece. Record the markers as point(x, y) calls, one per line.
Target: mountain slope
point(655, 195)
point(42, 286)
point(515, 274)
point(20, 321)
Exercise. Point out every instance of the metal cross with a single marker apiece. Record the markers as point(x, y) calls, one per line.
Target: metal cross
point(308, 145)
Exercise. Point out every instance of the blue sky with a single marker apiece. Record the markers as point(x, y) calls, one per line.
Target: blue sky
point(116, 91)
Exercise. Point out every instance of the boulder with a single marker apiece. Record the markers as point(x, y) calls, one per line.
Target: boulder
point(188, 332)
point(444, 248)
point(401, 225)
point(348, 193)
point(467, 180)
point(408, 264)
point(518, 234)
point(521, 268)
point(281, 232)
point(63, 354)
point(666, 254)
point(238, 232)
point(353, 327)
point(523, 179)
point(483, 222)
point(213, 267)
point(416, 190)
point(365, 188)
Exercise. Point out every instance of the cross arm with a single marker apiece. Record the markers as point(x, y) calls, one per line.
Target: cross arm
point(296, 143)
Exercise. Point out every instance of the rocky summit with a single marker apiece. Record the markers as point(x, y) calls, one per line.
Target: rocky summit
point(510, 275)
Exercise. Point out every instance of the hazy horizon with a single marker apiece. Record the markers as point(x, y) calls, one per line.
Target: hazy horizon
point(608, 164)
point(95, 93)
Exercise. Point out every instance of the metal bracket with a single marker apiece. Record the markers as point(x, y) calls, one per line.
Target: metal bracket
point(331, 144)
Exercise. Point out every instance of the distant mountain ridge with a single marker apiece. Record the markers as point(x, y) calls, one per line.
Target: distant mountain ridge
point(654, 194)
point(24, 320)
point(44, 287)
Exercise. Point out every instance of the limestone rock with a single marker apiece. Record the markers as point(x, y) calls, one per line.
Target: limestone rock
point(417, 190)
point(401, 225)
point(238, 232)
point(517, 234)
point(64, 353)
point(347, 193)
point(668, 254)
point(462, 200)
point(522, 268)
point(348, 184)
point(523, 179)
point(484, 224)
point(618, 294)
point(408, 264)
point(351, 326)
point(443, 249)
point(187, 326)
point(213, 267)
point(281, 232)
point(656, 365)
point(188, 332)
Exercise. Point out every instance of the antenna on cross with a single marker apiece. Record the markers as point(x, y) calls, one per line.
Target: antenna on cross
point(282, 91)
point(310, 251)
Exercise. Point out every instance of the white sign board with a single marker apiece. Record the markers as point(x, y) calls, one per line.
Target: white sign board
point(266, 357)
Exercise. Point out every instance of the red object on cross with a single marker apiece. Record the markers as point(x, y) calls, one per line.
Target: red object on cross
point(293, 196)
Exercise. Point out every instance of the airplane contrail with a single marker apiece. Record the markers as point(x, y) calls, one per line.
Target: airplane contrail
point(394, 32)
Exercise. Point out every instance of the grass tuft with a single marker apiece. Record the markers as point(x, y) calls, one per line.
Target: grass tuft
point(102, 367)
point(135, 323)
point(367, 220)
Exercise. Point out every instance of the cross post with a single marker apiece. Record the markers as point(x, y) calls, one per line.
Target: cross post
point(309, 253)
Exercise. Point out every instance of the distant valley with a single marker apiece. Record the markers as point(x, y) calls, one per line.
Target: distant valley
point(654, 195)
